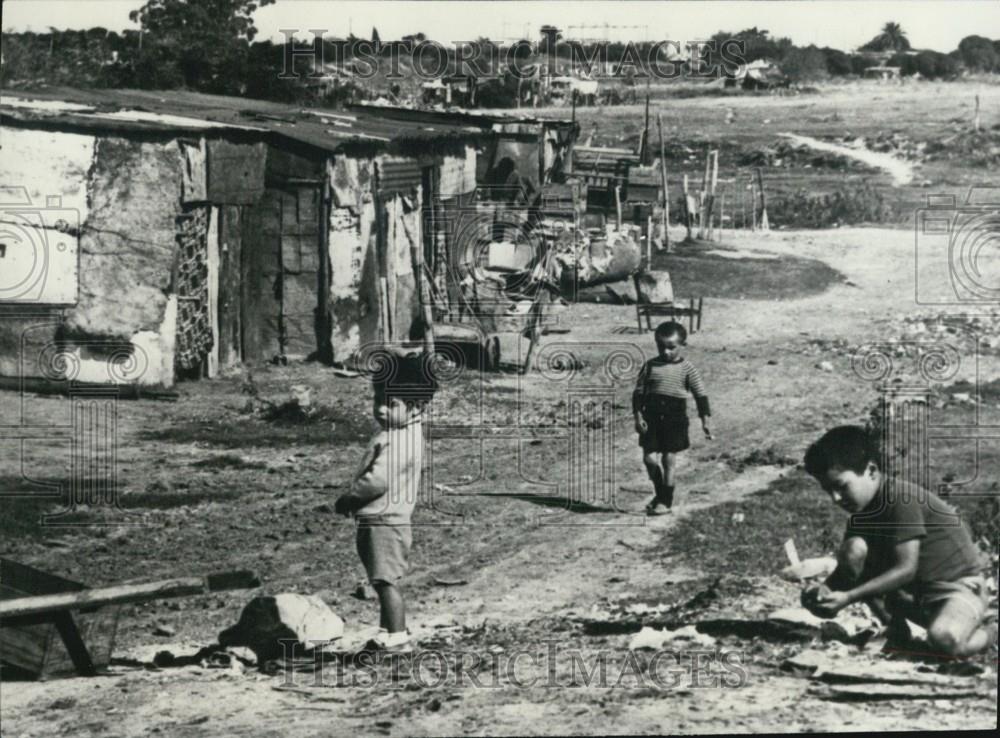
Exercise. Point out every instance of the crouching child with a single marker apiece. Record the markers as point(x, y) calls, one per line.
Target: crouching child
point(384, 491)
point(906, 553)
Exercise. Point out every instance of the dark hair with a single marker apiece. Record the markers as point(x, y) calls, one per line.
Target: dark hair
point(847, 446)
point(669, 328)
point(411, 378)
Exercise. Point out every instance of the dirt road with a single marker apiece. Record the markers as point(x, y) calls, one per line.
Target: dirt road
point(515, 622)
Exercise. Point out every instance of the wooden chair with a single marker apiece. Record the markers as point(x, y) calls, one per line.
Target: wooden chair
point(668, 310)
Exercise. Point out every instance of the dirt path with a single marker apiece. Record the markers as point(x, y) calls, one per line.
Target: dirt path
point(525, 585)
point(901, 171)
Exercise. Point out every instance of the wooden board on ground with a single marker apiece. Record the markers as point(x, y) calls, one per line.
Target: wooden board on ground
point(37, 648)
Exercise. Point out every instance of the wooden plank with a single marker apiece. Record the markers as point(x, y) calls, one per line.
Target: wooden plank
point(230, 257)
point(663, 178)
point(871, 692)
point(20, 579)
point(75, 646)
point(182, 587)
point(260, 288)
point(235, 172)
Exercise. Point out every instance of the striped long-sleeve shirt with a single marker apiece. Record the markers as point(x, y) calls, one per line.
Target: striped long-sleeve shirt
point(662, 378)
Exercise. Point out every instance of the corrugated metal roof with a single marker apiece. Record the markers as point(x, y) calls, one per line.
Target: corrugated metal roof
point(180, 111)
point(457, 117)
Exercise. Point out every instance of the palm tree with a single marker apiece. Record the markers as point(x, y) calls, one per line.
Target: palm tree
point(891, 38)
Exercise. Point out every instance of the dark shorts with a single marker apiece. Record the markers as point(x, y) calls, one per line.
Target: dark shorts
point(667, 426)
point(384, 549)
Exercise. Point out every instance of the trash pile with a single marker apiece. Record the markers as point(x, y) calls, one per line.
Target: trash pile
point(594, 256)
point(898, 144)
point(786, 154)
point(961, 331)
point(982, 147)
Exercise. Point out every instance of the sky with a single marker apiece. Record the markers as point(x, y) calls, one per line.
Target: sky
point(844, 24)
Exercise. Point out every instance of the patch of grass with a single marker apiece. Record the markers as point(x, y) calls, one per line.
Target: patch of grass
point(694, 272)
point(251, 432)
point(844, 206)
point(228, 461)
point(987, 391)
point(750, 543)
point(21, 517)
point(766, 457)
point(165, 500)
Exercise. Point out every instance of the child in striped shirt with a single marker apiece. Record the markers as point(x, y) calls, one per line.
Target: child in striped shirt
point(660, 406)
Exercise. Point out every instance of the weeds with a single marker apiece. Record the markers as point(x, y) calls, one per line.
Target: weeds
point(846, 206)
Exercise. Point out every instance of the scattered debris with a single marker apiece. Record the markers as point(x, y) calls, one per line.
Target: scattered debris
point(814, 568)
point(868, 678)
point(450, 582)
point(650, 638)
point(164, 630)
point(868, 693)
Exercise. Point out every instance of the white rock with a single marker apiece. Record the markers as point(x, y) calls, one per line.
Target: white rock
point(655, 287)
point(267, 621)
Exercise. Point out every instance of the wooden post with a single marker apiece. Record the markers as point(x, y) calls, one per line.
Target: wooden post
point(975, 120)
point(422, 280)
point(618, 206)
point(644, 144)
point(663, 177)
point(649, 241)
point(687, 209)
point(753, 206)
point(703, 204)
point(722, 214)
point(764, 224)
point(711, 196)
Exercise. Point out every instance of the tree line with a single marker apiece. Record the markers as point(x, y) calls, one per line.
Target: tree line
point(209, 46)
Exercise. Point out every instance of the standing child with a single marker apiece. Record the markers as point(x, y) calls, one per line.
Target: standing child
point(906, 553)
point(660, 406)
point(384, 492)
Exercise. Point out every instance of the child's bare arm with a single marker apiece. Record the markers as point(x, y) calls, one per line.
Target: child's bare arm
point(369, 485)
point(901, 573)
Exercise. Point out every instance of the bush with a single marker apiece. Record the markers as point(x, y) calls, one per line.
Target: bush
point(805, 65)
point(859, 64)
point(906, 63)
point(837, 62)
point(846, 206)
point(979, 54)
point(935, 65)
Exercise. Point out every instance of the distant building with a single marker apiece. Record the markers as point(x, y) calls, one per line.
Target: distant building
point(760, 74)
point(882, 72)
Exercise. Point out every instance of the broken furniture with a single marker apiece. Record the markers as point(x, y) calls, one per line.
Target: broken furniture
point(475, 347)
point(668, 310)
point(50, 626)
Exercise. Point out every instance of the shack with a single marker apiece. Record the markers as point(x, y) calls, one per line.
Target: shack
point(147, 237)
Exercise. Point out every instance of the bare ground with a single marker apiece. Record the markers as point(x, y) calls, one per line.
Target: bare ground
point(218, 488)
